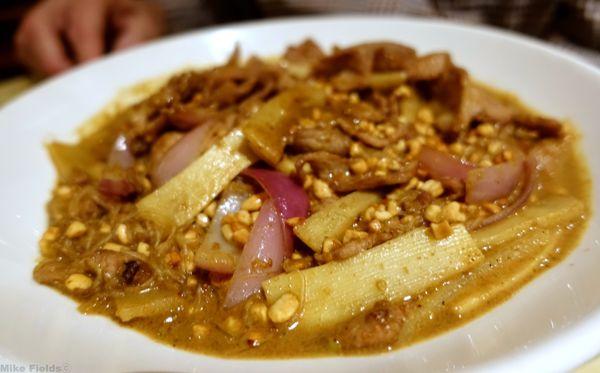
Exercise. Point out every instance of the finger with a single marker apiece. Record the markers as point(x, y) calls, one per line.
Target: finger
point(39, 45)
point(135, 27)
point(86, 25)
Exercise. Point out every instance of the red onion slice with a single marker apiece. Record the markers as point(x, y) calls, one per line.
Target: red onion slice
point(491, 183)
point(262, 256)
point(442, 165)
point(120, 155)
point(530, 175)
point(184, 152)
point(289, 198)
point(116, 188)
point(271, 239)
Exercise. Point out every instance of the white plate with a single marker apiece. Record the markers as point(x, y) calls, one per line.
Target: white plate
point(552, 324)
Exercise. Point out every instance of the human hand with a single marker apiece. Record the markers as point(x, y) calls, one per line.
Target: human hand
point(58, 34)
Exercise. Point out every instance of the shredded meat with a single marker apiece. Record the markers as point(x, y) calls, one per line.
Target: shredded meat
point(116, 268)
point(306, 52)
point(186, 117)
point(366, 58)
point(374, 140)
point(429, 67)
point(307, 140)
point(119, 188)
point(351, 248)
point(51, 272)
point(378, 328)
point(546, 127)
point(336, 171)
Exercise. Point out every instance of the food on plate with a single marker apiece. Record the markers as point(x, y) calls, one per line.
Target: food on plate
point(317, 204)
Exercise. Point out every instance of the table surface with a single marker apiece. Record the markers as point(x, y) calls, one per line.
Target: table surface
point(11, 88)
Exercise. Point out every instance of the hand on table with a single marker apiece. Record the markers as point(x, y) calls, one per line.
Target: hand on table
point(58, 34)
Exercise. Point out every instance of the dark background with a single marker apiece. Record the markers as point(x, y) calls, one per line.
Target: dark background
point(11, 12)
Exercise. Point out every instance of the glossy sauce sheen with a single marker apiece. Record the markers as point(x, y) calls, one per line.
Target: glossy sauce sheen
point(570, 177)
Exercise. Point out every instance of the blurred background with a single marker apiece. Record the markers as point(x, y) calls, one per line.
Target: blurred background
point(47, 37)
point(11, 13)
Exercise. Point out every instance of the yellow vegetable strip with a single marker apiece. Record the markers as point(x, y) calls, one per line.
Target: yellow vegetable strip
point(543, 241)
point(548, 212)
point(334, 219)
point(268, 128)
point(407, 265)
point(185, 195)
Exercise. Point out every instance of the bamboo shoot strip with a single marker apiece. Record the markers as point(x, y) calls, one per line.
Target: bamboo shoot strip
point(185, 195)
point(543, 242)
point(334, 219)
point(407, 265)
point(546, 213)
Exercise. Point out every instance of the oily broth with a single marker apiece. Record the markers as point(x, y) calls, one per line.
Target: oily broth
point(571, 178)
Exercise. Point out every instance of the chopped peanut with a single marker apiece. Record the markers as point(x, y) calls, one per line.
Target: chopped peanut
point(433, 213)
point(412, 184)
point(308, 182)
point(321, 189)
point(457, 148)
point(356, 149)
point(257, 312)
point(51, 234)
point(232, 326)
point(211, 209)
point(329, 244)
point(359, 167)
point(64, 191)
point(494, 147)
point(375, 225)
point(486, 163)
point(400, 146)
point(393, 208)
point(227, 232)
point(486, 130)
point(143, 248)
point(403, 91)
point(252, 203)
point(122, 234)
point(286, 166)
point(425, 115)
point(76, 229)
point(432, 187)
point(190, 235)
point(78, 281)
point(452, 213)
point(244, 217)
point(383, 215)
point(352, 234)
point(173, 258)
point(241, 236)
point(441, 230)
point(369, 213)
point(284, 308)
